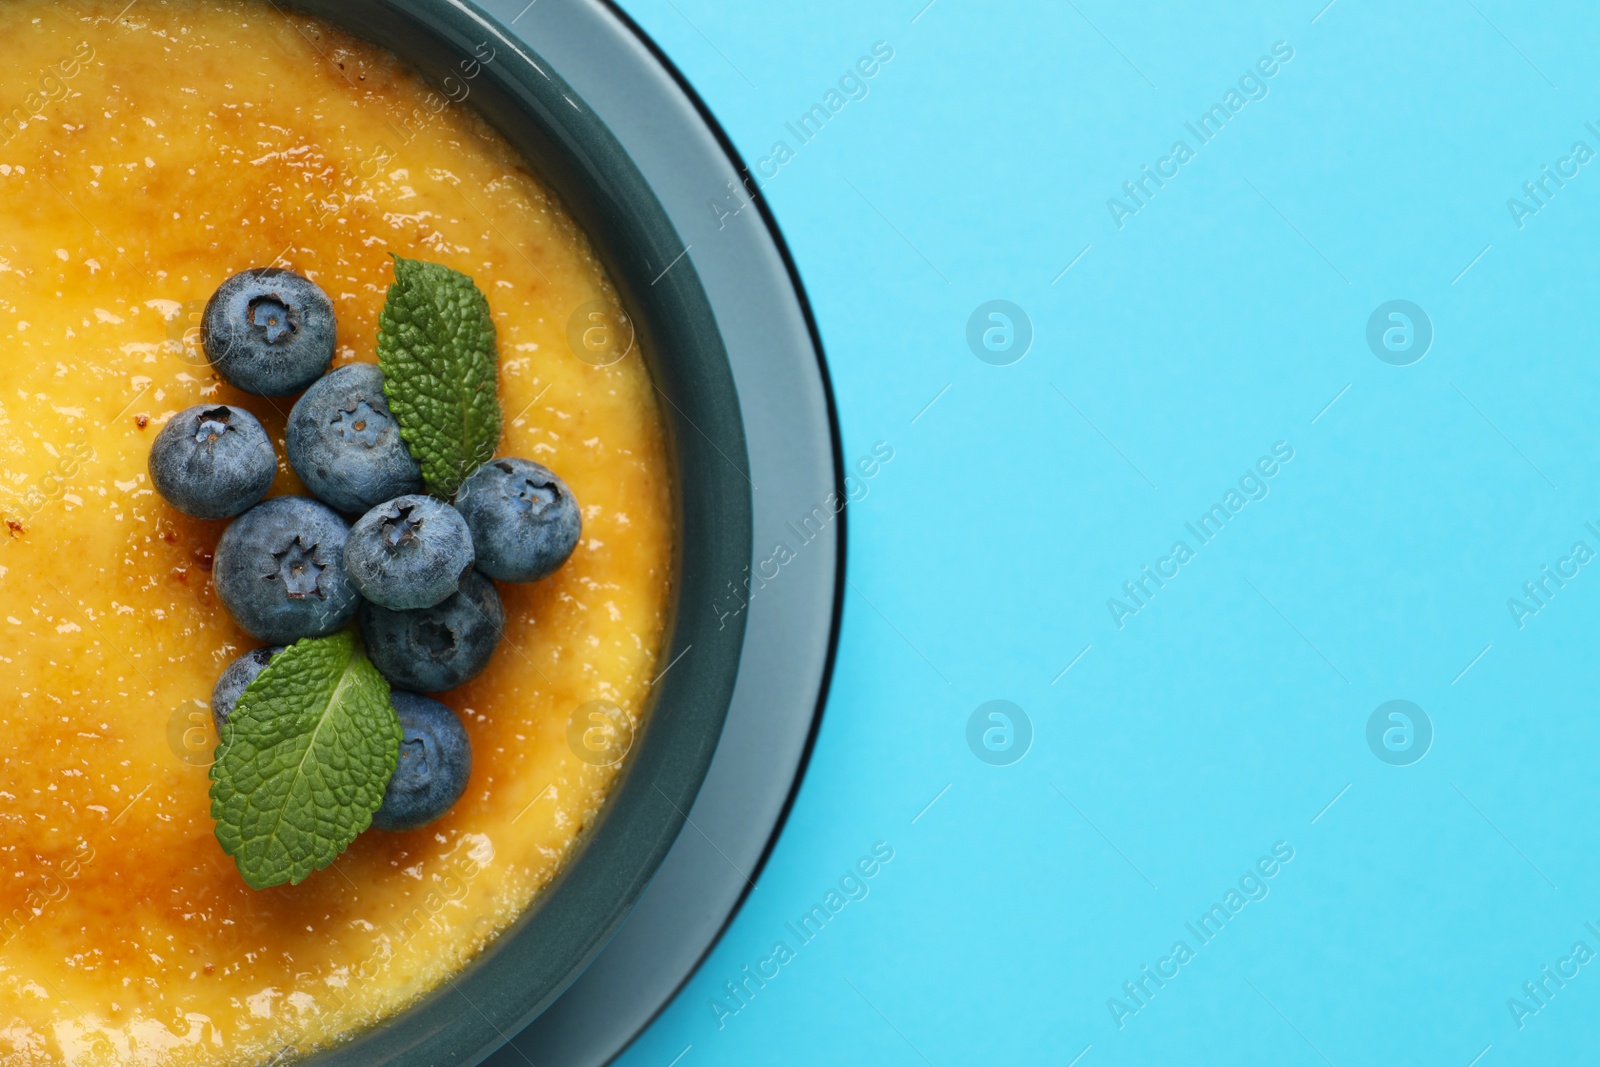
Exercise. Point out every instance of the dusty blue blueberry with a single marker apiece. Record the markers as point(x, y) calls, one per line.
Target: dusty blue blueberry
point(524, 520)
point(212, 461)
point(279, 569)
point(344, 444)
point(268, 331)
point(235, 678)
point(434, 649)
point(435, 763)
point(409, 553)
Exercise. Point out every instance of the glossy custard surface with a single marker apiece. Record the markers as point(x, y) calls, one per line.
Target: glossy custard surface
point(145, 155)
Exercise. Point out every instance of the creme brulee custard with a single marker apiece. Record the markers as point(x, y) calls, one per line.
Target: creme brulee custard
point(148, 151)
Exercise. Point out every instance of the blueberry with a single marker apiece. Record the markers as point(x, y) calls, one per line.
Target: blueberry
point(279, 569)
point(437, 648)
point(268, 331)
point(212, 461)
point(523, 519)
point(235, 677)
point(409, 553)
point(435, 762)
point(345, 445)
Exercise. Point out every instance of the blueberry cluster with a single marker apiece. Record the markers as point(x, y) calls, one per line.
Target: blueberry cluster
point(416, 570)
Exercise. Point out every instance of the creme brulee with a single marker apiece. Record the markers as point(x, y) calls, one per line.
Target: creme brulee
point(147, 154)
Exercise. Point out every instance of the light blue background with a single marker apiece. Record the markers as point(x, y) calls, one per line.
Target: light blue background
point(1226, 715)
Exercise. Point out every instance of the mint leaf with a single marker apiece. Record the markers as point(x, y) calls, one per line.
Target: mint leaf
point(436, 349)
point(304, 761)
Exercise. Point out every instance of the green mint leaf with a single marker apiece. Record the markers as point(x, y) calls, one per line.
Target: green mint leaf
point(437, 352)
point(304, 761)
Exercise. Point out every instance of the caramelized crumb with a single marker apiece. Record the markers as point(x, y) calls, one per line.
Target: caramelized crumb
point(17, 529)
point(141, 420)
